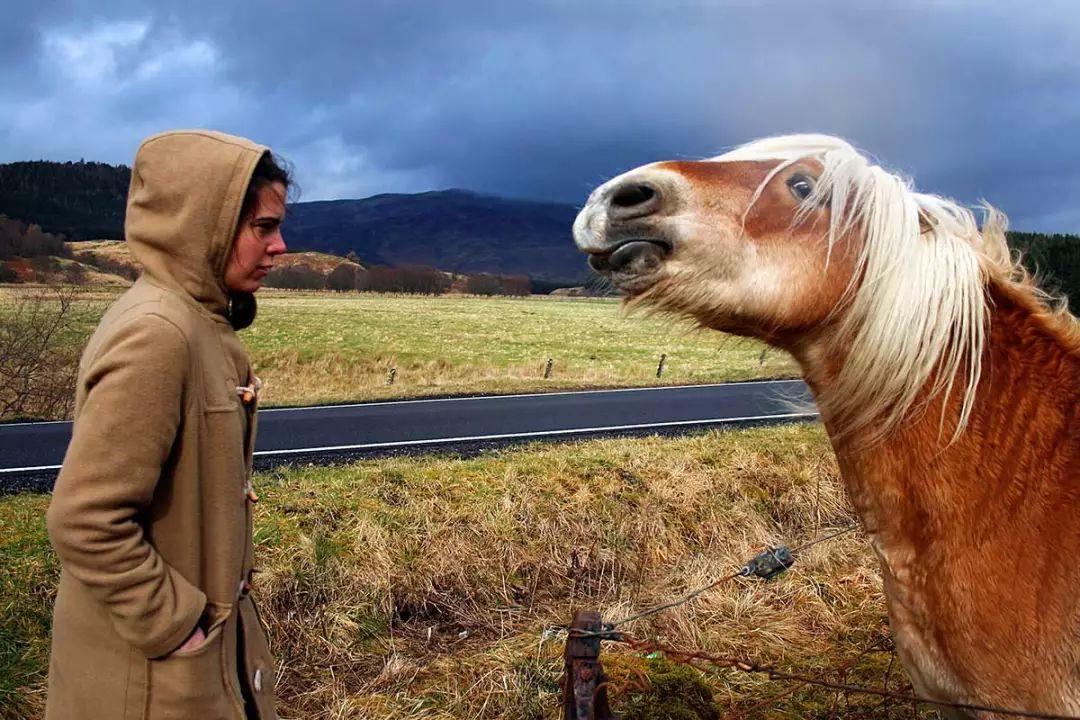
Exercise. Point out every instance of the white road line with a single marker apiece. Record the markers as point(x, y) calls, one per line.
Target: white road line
point(524, 395)
point(29, 469)
point(411, 401)
point(474, 438)
point(537, 433)
point(35, 422)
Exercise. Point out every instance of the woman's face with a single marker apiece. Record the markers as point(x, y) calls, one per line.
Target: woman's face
point(258, 241)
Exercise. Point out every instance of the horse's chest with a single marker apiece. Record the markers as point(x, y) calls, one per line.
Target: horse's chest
point(913, 625)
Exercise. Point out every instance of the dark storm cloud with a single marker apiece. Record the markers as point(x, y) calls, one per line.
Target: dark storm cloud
point(545, 100)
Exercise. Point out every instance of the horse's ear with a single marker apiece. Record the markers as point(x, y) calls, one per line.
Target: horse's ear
point(926, 223)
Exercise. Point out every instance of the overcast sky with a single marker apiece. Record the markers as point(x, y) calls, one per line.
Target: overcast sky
point(547, 99)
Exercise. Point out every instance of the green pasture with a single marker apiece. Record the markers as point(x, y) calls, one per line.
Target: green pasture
point(313, 347)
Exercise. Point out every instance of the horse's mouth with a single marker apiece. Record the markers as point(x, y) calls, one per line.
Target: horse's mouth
point(634, 256)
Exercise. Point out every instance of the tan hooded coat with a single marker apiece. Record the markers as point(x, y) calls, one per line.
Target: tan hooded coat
point(151, 515)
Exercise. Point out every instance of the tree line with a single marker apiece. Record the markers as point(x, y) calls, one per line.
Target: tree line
point(80, 200)
point(419, 279)
point(1055, 261)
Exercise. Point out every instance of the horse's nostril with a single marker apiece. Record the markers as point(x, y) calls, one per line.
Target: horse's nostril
point(632, 195)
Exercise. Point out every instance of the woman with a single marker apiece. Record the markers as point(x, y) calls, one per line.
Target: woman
point(151, 514)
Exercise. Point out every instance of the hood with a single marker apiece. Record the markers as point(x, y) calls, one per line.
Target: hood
point(183, 207)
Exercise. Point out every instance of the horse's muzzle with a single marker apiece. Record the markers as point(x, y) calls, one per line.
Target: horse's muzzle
point(635, 255)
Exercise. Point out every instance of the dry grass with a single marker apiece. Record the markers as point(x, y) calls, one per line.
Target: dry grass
point(422, 587)
point(323, 347)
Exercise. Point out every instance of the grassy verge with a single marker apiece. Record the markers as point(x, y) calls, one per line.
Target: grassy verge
point(422, 587)
point(333, 347)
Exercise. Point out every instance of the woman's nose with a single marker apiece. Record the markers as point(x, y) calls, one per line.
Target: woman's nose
point(277, 247)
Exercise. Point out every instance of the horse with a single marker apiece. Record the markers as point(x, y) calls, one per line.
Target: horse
point(947, 381)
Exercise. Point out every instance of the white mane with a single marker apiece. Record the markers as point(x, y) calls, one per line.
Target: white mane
point(916, 305)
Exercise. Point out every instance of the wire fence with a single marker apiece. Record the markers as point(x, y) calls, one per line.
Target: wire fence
point(593, 704)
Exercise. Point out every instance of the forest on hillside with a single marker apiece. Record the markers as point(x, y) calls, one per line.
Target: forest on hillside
point(79, 200)
point(1055, 260)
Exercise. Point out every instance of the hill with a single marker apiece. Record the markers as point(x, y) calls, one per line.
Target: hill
point(114, 256)
point(117, 252)
point(455, 230)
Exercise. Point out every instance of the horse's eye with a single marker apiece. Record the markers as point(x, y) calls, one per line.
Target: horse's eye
point(801, 186)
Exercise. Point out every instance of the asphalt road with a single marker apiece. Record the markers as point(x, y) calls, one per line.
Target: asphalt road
point(31, 453)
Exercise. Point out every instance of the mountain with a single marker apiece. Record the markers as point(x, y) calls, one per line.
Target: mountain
point(454, 230)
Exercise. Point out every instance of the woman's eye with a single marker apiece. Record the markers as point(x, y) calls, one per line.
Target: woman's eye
point(801, 186)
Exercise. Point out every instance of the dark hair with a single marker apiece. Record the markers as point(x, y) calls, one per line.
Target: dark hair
point(268, 170)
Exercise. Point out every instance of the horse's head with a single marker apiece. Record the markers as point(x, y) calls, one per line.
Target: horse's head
point(802, 241)
point(740, 242)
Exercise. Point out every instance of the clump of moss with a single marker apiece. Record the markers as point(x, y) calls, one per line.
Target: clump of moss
point(673, 692)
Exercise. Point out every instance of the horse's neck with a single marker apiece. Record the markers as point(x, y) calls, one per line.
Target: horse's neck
point(1019, 454)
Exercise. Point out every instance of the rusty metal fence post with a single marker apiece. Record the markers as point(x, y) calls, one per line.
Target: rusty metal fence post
point(584, 683)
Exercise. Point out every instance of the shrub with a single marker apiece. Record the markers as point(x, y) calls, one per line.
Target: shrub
point(344, 277)
point(297, 277)
point(37, 369)
point(75, 274)
point(20, 239)
point(487, 284)
point(419, 279)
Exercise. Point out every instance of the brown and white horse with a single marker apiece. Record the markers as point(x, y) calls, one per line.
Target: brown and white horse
point(948, 383)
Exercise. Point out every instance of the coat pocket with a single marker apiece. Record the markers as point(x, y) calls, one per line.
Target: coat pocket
point(190, 684)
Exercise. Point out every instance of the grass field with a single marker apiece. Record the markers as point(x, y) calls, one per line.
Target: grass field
point(329, 347)
point(421, 588)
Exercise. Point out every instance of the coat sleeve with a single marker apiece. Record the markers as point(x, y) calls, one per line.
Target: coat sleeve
point(123, 434)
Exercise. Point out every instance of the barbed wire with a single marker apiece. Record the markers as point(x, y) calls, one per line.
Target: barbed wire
point(777, 558)
point(766, 565)
point(695, 658)
point(843, 670)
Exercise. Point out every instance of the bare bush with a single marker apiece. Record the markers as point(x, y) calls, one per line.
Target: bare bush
point(75, 274)
point(297, 277)
point(19, 239)
point(488, 284)
point(419, 279)
point(37, 369)
point(483, 284)
point(344, 277)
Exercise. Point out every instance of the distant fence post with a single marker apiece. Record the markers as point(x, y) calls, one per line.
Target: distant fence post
point(390, 375)
point(547, 368)
point(660, 367)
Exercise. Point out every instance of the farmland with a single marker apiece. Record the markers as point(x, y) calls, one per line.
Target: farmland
point(320, 347)
point(422, 587)
point(432, 587)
